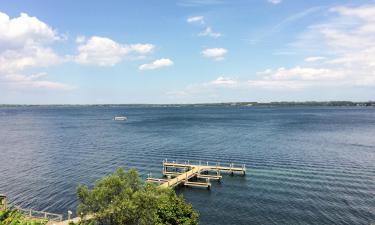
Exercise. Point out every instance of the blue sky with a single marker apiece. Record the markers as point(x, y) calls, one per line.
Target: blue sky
point(186, 51)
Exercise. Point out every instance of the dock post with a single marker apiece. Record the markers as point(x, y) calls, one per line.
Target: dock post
point(69, 214)
point(3, 202)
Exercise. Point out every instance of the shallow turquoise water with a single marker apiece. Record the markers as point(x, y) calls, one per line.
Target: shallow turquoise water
point(305, 165)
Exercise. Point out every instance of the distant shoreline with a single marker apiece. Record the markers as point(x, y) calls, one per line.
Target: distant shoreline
point(224, 104)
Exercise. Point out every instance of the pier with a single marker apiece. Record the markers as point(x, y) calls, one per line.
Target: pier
point(194, 175)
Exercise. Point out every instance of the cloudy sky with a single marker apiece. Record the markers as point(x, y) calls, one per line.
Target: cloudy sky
point(186, 51)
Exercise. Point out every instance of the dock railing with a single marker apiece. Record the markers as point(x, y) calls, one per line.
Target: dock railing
point(4, 205)
point(40, 214)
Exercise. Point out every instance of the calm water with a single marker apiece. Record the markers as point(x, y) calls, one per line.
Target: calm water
point(305, 165)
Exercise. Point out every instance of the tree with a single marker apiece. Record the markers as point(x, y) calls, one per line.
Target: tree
point(122, 198)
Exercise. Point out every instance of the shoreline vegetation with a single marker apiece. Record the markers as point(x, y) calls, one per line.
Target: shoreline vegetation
point(223, 104)
point(120, 198)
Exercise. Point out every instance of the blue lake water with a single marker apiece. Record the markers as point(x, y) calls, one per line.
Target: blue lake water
point(310, 165)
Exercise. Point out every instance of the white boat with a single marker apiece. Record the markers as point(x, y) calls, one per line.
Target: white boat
point(122, 118)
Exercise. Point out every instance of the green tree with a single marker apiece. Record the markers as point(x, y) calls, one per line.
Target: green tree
point(122, 198)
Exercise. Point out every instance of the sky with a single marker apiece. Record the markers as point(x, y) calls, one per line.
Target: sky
point(186, 51)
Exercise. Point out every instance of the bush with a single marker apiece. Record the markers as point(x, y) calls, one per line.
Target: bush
point(122, 198)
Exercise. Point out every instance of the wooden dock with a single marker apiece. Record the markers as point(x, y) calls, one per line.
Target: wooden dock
point(188, 174)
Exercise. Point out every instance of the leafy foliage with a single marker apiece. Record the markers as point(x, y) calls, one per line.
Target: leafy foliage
point(122, 198)
point(14, 217)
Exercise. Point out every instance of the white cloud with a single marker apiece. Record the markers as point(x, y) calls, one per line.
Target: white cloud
point(301, 73)
point(24, 44)
point(348, 37)
point(365, 12)
point(141, 48)
point(298, 77)
point(160, 63)
point(104, 51)
point(275, 2)
point(101, 51)
point(80, 39)
point(197, 3)
point(215, 53)
point(314, 58)
point(224, 81)
point(292, 78)
point(21, 81)
point(30, 56)
point(210, 33)
point(195, 19)
point(24, 30)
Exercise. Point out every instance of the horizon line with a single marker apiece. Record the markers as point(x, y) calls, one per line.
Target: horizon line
point(204, 103)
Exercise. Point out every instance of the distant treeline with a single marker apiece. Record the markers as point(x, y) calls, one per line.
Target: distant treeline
point(309, 103)
point(228, 104)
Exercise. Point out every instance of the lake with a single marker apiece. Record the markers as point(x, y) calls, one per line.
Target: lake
point(305, 165)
